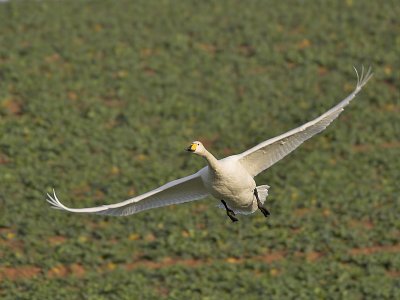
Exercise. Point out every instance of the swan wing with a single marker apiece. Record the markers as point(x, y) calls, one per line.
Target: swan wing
point(265, 154)
point(182, 190)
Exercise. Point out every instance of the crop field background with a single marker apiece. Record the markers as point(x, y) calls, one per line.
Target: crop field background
point(99, 99)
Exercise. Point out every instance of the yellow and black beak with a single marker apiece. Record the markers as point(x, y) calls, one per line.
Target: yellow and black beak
point(192, 147)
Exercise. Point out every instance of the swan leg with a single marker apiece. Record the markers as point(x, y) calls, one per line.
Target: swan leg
point(229, 212)
point(265, 211)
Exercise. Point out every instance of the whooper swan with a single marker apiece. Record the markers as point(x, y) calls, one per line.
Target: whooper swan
point(230, 179)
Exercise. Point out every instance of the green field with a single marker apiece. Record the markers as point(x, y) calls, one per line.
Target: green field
point(98, 99)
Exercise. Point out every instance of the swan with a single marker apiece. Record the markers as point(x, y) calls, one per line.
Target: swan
point(231, 179)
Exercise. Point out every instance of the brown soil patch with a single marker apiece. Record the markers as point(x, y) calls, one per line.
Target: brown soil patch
point(77, 270)
point(257, 70)
point(209, 48)
point(166, 262)
point(302, 211)
point(15, 246)
point(393, 274)
point(272, 257)
point(313, 256)
point(4, 159)
point(25, 272)
point(57, 271)
point(310, 256)
point(246, 50)
point(361, 224)
point(22, 272)
point(366, 148)
point(57, 240)
point(60, 270)
point(375, 249)
point(12, 106)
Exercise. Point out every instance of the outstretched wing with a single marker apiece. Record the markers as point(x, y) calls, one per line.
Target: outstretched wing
point(182, 190)
point(264, 155)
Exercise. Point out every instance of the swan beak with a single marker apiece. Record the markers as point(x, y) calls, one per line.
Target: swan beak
point(192, 148)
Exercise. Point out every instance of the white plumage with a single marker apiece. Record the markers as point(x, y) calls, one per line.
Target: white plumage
point(229, 179)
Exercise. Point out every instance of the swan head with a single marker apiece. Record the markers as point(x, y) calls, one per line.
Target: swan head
point(196, 147)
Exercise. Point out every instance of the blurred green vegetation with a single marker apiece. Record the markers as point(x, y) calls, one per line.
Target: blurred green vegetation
point(98, 99)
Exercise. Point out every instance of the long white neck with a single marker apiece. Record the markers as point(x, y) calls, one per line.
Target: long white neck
point(211, 160)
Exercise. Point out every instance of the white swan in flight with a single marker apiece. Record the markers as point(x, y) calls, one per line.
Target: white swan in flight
point(229, 180)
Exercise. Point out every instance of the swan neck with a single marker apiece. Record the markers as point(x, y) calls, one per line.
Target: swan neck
point(211, 160)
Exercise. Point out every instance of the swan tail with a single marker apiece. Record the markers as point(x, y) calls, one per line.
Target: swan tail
point(263, 192)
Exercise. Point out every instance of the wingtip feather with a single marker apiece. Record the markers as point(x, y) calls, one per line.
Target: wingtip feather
point(363, 78)
point(54, 202)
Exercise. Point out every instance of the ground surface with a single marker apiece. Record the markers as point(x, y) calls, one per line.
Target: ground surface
point(98, 99)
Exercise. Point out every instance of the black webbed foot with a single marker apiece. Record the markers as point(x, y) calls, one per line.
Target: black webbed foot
point(229, 212)
point(265, 211)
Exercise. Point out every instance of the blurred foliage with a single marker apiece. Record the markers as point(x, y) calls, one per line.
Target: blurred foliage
point(99, 98)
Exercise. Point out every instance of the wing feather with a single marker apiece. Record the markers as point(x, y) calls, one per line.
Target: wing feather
point(182, 190)
point(265, 154)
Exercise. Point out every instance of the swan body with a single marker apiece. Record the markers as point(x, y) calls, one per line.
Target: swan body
point(231, 179)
